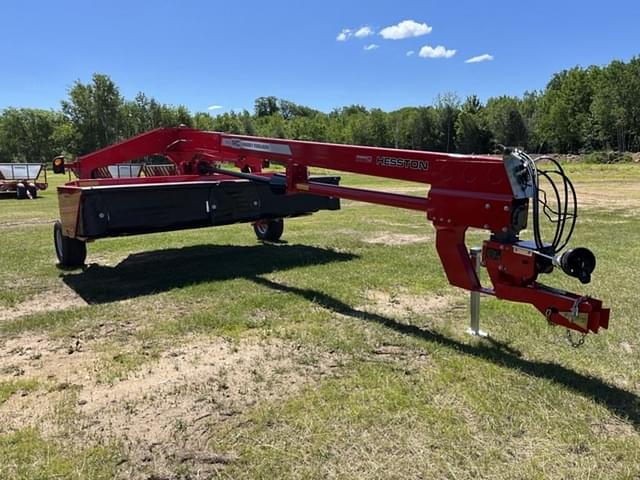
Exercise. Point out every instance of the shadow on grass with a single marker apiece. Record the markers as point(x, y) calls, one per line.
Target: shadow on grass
point(11, 195)
point(616, 400)
point(162, 270)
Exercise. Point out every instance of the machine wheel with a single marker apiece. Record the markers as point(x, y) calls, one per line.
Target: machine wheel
point(269, 230)
point(70, 251)
point(32, 190)
point(21, 191)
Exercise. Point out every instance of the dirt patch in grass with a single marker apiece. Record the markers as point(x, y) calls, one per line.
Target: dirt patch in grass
point(59, 367)
point(389, 238)
point(405, 304)
point(612, 428)
point(62, 298)
point(420, 224)
point(165, 412)
point(33, 355)
point(48, 406)
point(25, 223)
point(384, 237)
point(596, 221)
point(618, 196)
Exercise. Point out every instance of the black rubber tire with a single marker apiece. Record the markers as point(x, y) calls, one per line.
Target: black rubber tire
point(33, 190)
point(21, 191)
point(269, 230)
point(71, 252)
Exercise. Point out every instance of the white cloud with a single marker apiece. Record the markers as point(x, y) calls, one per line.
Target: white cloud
point(371, 46)
point(363, 32)
point(344, 35)
point(480, 58)
point(410, 52)
point(347, 33)
point(214, 107)
point(405, 29)
point(436, 52)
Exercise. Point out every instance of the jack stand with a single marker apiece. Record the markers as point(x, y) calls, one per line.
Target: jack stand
point(474, 303)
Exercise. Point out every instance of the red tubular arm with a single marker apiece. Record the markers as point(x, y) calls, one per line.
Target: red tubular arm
point(466, 191)
point(155, 142)
point(179, 145)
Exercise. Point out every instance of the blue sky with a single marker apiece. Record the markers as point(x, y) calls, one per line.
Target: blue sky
point(208, 53)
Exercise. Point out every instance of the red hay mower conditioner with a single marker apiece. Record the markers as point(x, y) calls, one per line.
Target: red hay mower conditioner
point(466, 191)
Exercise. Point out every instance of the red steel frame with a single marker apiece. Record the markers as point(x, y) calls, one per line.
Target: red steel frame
point(466, 191)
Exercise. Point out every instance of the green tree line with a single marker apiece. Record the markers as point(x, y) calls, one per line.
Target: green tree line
point(580, 110)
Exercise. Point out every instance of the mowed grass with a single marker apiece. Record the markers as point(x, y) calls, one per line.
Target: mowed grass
point(414, 397)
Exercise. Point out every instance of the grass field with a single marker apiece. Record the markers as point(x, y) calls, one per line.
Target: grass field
point(339, 353)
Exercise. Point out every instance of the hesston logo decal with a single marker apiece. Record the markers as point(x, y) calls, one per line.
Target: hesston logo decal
point(402, 163)
point(243, 144)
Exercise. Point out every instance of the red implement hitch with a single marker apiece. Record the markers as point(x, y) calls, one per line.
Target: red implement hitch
point(467, 191)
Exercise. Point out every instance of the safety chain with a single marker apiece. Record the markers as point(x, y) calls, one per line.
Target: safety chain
point(575, 311)
point(572, 341)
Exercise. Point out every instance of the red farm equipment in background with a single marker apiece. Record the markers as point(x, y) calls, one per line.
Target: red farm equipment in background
point(23, 179)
